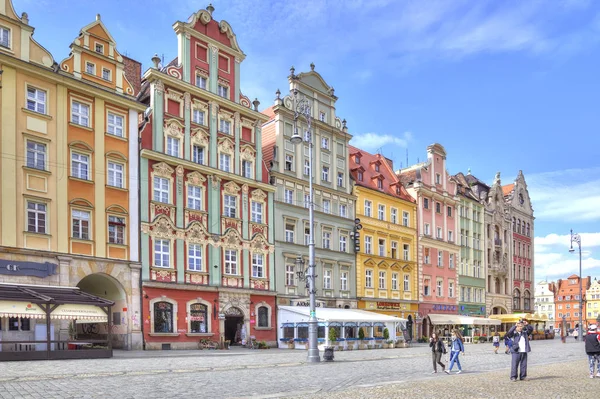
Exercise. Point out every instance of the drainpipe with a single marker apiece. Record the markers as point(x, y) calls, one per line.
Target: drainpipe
point(139, 190)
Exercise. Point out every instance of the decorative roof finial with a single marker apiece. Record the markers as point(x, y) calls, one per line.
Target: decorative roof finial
point(256, 103)
point(292, 70)
point(25, 18)
point(312, 66)
point(97, 17)
point(469, 171)
point(278, 93)
point(344, 123)
point(156, 61)
point(210, 9)
point(497, 178)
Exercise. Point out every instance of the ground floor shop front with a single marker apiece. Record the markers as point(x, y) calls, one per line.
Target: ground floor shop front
point(425, 327)
point(402, 309)
point(180, 317)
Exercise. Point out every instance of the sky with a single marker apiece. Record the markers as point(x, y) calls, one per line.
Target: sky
point(502, 85)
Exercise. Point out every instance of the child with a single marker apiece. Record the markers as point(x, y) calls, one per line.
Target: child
point(496, 342)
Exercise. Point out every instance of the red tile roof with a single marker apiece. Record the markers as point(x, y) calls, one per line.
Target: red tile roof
point(370, 175)
point(507, 189)
point(268, 142)
point(269, 112)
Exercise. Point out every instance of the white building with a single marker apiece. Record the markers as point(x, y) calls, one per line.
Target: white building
point(544, 300)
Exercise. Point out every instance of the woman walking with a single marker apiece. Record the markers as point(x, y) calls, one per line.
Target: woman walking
point(496, 342)
point(437, 349)
point(456, 347)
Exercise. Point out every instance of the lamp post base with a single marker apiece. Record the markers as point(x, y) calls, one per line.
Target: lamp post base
point(313, 355)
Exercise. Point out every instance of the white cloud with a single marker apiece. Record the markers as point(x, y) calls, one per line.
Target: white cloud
point(588, 240)
point(372, 141)
point(552, 266)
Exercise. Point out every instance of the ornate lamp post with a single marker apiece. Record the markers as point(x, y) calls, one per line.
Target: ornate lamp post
point(303, 108)
point(575, 238)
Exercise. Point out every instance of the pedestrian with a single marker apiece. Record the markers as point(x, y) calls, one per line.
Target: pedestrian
point(437, 349)
point(592, 348)
point(456, 347)
point(576, 333)
point(507, 344)
point(496, 342)
point(519, 333)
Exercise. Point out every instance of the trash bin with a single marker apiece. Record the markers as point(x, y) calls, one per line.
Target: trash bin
point(328, 354)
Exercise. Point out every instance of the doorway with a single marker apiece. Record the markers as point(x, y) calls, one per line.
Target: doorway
point(233, 329)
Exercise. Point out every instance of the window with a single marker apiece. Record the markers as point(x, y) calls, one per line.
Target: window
point(231, 262)
point(81, 224)
point(115, 124)
point(440, 258)
point(326, 239)
point(439, 288)
point(19, 324)
point(4, 37)
point(394, 281)
point(198, 117)
point(36, 155)
point(163, 317)
point(36, 217)
point(449, 211)
point(326, 206)
point(247, 169)
point(258, 266)
point(256, 209)
point(99, 48)
point(368, 245)
point(360, 176)
point(36, 100)
point(322, 116)
point(263, 317)
point(340, 179)
point(116, 230)
point(379, 184)
point(438, 207)
point(369, 278)
point(225, 126)
point(195, 257)
point(306, 167)
point(290, 230)
point(229, 205)
point(381, 247)
point(426, 288)
point(90, 68)
point(225, 162)
point(450, 289)
point(327, 279)
point(172, 146)
point(325, 175)
point(198, 318)
point(325, 143)
point(344, 281)
point(427, 230)
point(439, 233)
point(306, 200)
point(343, 243)
point(406, 251)
point(394, 215)
point(451, 261)
point(368, 208)
point(289, 196)
point(106, 74)
point(438, 178)
point(450, 236)
point(201, 82)
point(115, 174)
point(198, 154)
point(80, 113)
point(289, 162)
point(161, 189)
point(382, 280)
point(394, 249)
point(223, 91)
point(80, 166)
point(406, 282)
point(194, 200)
point(289, 275)
point(405, 217)
point(306, 235)
point(381, 212)
point(343, 211)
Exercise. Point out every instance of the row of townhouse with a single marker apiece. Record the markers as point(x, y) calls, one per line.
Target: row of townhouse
point(169, 193)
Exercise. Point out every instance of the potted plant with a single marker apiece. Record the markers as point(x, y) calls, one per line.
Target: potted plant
point(333, 337)
point(386, 339)
point(290, 343)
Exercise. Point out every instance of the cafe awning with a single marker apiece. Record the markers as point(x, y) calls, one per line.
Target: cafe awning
point(440, 319)
point(515, 317)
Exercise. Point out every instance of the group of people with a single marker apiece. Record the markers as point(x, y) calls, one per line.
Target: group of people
point(516, 342)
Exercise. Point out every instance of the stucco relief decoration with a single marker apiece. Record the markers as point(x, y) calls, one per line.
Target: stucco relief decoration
point(259, 284)
point(179, 171)
point(163, 228)
point(224, 27)
point(229, 300)
point(259, 244)
point(258, 229)
point(174, 71)
point(214, 109)
point(197, 234)
point(236, 118)
point(164, 275)
point(248, 123)
point(226, 146)
point(159, 86)
point(231, 188)
point(203, 16)
point(163, 170)
point(289, 103)
point(173, 95)
point(196, 178)
point(202, 72)
point(338, 123)
point(245, 101)
point(199, 137)
point(187, 101)
point(232, 240)
point(258, 195)
point(248, 153)
point(214, 51)
point(173, 128)
point(215, 181)
point(157, 209)
point(223, 82)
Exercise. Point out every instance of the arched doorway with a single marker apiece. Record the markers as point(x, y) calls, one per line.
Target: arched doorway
point(234, 326)
point(105, 286)
point(499, 310)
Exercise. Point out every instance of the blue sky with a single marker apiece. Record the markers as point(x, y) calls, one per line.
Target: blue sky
point(503, 85)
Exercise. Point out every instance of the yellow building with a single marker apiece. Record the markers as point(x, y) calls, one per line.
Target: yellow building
point(592, 303)
point(69, 168)
point(386, 267)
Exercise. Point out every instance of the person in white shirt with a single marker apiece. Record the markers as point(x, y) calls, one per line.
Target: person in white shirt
point(520, 334)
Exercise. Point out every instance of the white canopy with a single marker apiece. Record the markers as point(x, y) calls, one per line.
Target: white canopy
point(337, 314)
point(438, 319)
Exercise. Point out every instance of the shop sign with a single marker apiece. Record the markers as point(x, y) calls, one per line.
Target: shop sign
point(447, 308)
point(252, 321)
point(388, 306)
point(16, 268)
point(306, 302)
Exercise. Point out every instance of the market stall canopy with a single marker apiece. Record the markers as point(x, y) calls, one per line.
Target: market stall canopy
point(31, 301)
point(441, 319)
point(343, 315)
point(515, 317)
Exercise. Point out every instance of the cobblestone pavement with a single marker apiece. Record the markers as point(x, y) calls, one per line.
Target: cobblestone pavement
point(556, 371)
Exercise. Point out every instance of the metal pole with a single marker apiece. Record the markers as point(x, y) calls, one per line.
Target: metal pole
point(313, 349)
point(580, 297)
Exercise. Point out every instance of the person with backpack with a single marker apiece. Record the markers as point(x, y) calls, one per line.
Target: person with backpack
point(592, 349)
point(437, 349)
point(456, 347)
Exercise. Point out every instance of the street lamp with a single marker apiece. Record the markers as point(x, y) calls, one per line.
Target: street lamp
point(575, 238)
point(302, 108)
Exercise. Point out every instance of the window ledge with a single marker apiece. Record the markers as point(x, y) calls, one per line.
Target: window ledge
point(117, 188)
point(115, 244)
point(202, 272)
point(7, 50)
point(38, 114)
point(81, 180)
point(82, 240)
point(198, 334)
point(35, 170)
point(35, 233)
point(81, 126)
point(263, 328)
point(164, 334)
point(116, 137)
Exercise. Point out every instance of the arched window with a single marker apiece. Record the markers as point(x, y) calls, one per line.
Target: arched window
point(198, 318)
point(527, 229)
point(516, 300)
point(519, 226)
point(497, 287)
point(526, 301)
point(263, 316)
point(514, 224)
point(163, 317)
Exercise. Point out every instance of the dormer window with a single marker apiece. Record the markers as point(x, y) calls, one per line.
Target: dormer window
point(360, 176)
point(99, 48)
point(357, 159)
point(380, 184)
point(376, 167)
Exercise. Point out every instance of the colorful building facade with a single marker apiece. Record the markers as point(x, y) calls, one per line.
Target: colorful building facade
point(386, 264)
point(472, 270)
point(592, 301)
point(436, 194)
point(68, 200)
point(334, 203)
point(206, 205)
point(567, 300)
point(544, 301)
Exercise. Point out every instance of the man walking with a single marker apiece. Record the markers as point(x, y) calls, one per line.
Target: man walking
point(592, 348)
point(520, 347)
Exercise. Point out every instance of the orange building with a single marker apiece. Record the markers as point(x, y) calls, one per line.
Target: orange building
point(567, 300)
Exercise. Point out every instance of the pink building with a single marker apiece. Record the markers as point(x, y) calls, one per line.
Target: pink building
point(438, 223)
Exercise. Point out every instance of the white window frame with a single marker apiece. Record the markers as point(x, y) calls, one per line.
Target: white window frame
point(223, 91)
point(231, 262)
point(225, 162)
point(79, 117)
point(368, 278)
point(38, 214)
point(368, 206)
point(173, 146)
point(198, 153)
point(340, 179)
point(194, 197)
point(36, 101)
point(306, 167)
point(395, 281)
point(202, 80)
point(368, 244)
point(394, 215)
point(290, 275)
point(225, 126)
point(343, 281)
point(162, 252)
point(406, 283)
point(288, 196)
point(290, 234)
point(117, 225)
point(343, 243)
point(104, 76)
point(406, 252)
point(381, 212)
point(247, 169)
point(440, 261)
point(394, 249)
point(256, 212)
point(326, 234)
point(439, 288)
point(195, 252)
point(405, 219)
point(89, 64)
point(38, 155)
point(5, 33)
point(326, 206)
point(99, 48)
point(258, 265)
point(382, 278)
point(289, 162)
point(113, 174)
point(198, 116)
point(79, 159)
point(113, 127)
point(159, 189)
point(327, 273)
point(82, 216)
point(230, 206)
point(427, 230)
point(439, 233)
point(325, 173)
point(381, 247)
point(325, 143)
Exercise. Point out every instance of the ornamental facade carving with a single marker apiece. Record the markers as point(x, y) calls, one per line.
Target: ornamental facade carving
point(248, 153)
point(161, 169)
point(173, 127)
point(173, 95)
point(231, 188)
point(196, 178)
point(199, 137)
point(258, 195)
point(226, 146)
